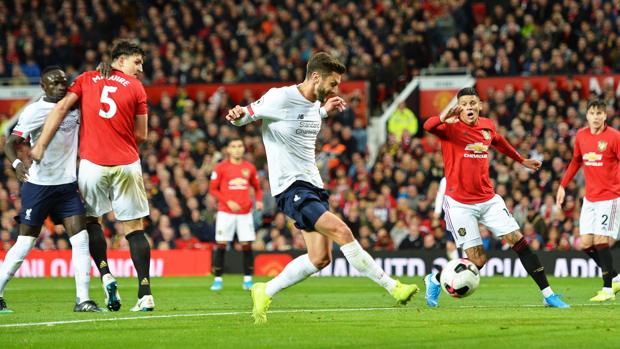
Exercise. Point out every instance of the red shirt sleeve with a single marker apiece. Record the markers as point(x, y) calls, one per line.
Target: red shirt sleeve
point(214, 186)
point(436, 127)
point(76, 86)
point(501, 144)
point(574, 166)
point(141, 106)
point(258, 192)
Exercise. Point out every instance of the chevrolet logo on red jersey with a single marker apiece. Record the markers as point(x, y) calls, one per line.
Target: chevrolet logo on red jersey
point(592, 156)
point(238, 184)
point(477, 147)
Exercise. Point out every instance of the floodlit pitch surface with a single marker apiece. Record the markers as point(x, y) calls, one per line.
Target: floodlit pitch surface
point(318, 313)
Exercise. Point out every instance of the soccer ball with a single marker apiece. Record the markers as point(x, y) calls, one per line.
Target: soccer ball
point(460, 278)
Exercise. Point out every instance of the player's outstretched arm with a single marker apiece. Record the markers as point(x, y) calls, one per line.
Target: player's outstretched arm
point(21, 170)
point(559, 197)
point(501, 144)
point(54, 118)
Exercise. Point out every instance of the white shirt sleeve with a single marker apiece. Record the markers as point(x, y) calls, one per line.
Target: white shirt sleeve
point(269, 106)
point(441, 193)
point(29, 121)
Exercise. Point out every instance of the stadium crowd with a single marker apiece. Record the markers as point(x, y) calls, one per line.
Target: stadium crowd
point(388, 205)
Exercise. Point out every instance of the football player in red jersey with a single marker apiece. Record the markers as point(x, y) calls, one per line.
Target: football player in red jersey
point(231, 181)
point(597, 148)
point(114, 123)
point(470, 198)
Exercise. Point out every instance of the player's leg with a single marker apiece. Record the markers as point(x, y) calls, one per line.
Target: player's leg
point(246, 234)
point(461, 220)
point(606, 222)
point(15, 257)
point(36, 200)
point(69, 209)
point(317, 258)
point(297, 270)
point(501, 223)
point(225, 224)
point(130, 205)
point(94, 183)
point(140, 251)
point(80, 259)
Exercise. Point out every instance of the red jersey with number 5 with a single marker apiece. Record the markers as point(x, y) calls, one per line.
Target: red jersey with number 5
point(109, 108)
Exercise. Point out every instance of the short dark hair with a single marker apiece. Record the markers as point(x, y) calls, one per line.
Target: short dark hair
point(128, 48)
point(597, 104)
point(467, 91)
point(324, 63)
point(50, 68)
point(234, 138)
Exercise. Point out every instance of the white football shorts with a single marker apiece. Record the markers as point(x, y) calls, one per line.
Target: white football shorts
point(227, 223)
point(600, 218)
point(118, 188)
point(463, 219)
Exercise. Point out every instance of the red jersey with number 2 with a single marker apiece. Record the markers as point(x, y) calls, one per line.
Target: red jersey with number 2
point(109, 108)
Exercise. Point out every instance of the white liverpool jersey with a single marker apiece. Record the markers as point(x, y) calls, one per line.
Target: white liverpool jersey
point(291, 124)
point(58, 165)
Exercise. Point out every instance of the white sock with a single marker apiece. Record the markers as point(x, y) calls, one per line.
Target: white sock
point(547, 291)
point(247, 278)
point(14, 258)
point(80, 258)
point(363, 262)
point(218, 278)
point(297, 270)
point(608, 290)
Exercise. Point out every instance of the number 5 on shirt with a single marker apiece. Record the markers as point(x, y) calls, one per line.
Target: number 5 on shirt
point(105, 99)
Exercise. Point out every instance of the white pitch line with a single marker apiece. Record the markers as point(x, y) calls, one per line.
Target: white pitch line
point(291, 311)
point(52, 323)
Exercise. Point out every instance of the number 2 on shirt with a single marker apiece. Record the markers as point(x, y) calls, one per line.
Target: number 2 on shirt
point(105, 99)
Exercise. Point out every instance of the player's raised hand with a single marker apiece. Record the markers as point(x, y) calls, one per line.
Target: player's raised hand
point(452, 115)
point(259, 206)
point(22, 172)
point(335, 104)
point(559, 197)
point(105, 69)
point(532, 164)
point(37, 152)
point(235, 113)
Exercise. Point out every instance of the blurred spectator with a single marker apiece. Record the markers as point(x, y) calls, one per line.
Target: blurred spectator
point(403, 119)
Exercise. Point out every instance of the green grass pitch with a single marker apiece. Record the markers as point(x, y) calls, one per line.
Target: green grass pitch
point(318, 313)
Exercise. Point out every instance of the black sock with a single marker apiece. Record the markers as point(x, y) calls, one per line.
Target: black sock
point(531, 263)
point(248, 260)
point(607, 264)
point(438, 277)
point(591, 251)
point(218, 259)
point(141, 257)
point(98, 247)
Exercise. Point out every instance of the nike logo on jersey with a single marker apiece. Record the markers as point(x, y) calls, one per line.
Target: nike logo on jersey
point(296, 198)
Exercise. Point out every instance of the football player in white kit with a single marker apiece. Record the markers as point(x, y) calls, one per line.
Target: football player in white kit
point(291, 121)
point(50, 188)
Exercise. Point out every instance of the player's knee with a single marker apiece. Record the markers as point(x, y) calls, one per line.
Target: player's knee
point(342, 233)
point(586, 245)
point(321, 261)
